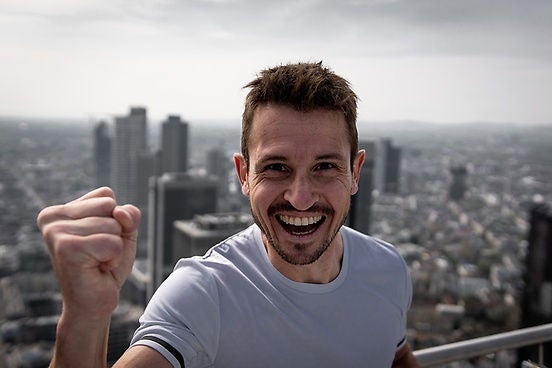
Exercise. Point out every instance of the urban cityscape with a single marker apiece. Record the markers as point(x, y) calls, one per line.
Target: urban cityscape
point(466, 205)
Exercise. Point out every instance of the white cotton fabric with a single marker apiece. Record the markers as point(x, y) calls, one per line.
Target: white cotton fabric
point(231, 308)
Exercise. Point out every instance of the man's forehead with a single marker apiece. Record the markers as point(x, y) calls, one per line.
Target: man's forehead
point(284, 148)
point(279, 130)
point(275, 119)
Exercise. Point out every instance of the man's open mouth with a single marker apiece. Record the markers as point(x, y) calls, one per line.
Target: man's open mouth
point(300, 226)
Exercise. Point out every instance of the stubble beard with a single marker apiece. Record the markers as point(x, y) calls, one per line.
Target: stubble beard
point(308, 258)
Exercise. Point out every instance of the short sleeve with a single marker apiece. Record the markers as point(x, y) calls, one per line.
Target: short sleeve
point(407, 301)
point(182, 320)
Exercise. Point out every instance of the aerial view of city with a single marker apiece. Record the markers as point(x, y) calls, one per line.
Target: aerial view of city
point(144, 101)
point(455, 200)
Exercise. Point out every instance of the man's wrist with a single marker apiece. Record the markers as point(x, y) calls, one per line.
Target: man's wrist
point(81, 342)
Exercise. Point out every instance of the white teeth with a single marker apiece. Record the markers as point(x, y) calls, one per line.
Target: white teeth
point(300, 221)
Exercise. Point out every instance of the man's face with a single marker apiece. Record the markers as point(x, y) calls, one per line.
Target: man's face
point(299, 180)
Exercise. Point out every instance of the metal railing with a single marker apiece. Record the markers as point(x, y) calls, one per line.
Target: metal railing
point(481, 346)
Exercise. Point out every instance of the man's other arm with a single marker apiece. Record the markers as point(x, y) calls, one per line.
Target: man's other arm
point(404, 358)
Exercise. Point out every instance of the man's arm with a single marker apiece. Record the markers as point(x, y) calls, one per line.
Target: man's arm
point(142, 357)
point(79, 341)
point(404, 358)
point(92, 244)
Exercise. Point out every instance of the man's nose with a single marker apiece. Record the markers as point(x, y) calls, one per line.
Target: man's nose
point(301, 193)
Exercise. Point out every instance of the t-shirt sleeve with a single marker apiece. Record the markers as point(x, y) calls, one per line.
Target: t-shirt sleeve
point(407, 301)
point(182, 320)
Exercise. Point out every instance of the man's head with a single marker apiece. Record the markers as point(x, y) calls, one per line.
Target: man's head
point(304, 87)
point(299, 164)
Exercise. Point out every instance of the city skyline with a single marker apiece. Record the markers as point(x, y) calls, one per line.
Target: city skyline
point(439, 62)
point(465, 257)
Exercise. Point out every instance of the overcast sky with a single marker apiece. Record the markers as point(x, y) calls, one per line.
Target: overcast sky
point(442, 61)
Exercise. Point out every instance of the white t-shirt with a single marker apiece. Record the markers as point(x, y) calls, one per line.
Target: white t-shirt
point(232, 308)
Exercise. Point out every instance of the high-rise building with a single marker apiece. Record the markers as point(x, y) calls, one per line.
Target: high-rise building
point(102, 154)
point(174, 196)
point(360, 213)
point(387, 167)
point(195, 237)
point(536, 306)
point(458, 185)
point(174, 145)
point(129, 143)
point(146, 169)
point(219, 165)
point(393, 169)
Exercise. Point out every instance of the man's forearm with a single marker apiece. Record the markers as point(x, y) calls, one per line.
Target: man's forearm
point(80, 343)
point(405, 358)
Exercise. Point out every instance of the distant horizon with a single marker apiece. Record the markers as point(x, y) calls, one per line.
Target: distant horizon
point(228, 122)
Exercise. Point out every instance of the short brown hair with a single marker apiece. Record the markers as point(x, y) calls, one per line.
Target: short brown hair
point(304, 87)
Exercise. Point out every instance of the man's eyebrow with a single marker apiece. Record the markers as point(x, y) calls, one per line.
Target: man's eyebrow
point(271, 158)
point(330, 156)
point(278, 158)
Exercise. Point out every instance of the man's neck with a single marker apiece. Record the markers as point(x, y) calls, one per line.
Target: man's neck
point(322, 271)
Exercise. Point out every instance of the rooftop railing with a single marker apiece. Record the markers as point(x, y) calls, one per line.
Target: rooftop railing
point(481, 346)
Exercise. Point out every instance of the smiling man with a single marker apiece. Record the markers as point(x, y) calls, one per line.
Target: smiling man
point(296, 289)
point(299, 178)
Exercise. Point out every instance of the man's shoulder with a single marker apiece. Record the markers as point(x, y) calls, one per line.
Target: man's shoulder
point(229, 255)
point(356, 237)
point(373, 248)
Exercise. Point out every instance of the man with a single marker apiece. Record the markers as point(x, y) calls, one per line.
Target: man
point(297, 289)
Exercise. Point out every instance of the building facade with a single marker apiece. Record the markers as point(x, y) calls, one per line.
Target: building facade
point(174, 145)
point(536, 305)
point(129, 144)
point(360, 213)
point(102, 154)
point(174, 196)
point(196, 236)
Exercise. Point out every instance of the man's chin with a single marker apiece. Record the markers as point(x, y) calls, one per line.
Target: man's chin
point(299, 254)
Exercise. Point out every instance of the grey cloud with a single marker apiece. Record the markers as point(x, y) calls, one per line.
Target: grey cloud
point(375, 27)
point(379, 27)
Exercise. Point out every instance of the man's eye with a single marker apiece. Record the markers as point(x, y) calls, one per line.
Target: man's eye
point(275, 167)
point(325, 166)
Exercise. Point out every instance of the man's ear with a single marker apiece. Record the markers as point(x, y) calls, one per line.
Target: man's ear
point(357, 167)
point(241, 170)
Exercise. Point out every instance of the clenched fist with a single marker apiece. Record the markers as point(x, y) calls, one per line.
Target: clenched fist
point(92, 245)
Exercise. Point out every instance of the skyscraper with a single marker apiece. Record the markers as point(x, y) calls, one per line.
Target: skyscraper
point(174, 145)
point(360, 213)
point(387, 166)
point(174, 196)
point(393, 169)
point(458, 186)
point(102, 154)
point(218, 163)
point(129, 143)
point(536, 306)
point(146, 169)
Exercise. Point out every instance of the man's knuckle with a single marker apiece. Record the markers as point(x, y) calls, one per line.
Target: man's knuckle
point(65, 241)
point(65, 246)
point(48, 214)
point(107, 204)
